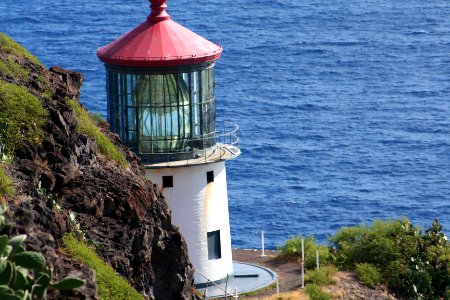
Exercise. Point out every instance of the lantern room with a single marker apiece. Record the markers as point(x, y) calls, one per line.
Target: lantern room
point(160, 88)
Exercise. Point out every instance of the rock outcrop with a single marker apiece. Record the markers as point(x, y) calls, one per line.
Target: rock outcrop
point(117, 207)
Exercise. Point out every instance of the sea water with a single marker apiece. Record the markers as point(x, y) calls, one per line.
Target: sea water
point(343, 106)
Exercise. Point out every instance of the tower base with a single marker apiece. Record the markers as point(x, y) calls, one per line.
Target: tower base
point(197, 196)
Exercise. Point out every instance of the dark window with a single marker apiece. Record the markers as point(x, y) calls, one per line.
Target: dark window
point(167, 181)
point(210, 176)
point(214, 251)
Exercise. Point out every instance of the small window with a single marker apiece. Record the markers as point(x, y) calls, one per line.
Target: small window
point(167, 181)
point(214, 251)
point(210, 176)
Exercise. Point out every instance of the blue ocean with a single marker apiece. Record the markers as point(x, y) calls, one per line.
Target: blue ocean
point(343, 106)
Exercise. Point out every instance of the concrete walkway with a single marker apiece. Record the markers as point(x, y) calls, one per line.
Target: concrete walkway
point(246, 278)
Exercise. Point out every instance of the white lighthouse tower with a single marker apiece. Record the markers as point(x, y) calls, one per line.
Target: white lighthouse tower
point(161, 101)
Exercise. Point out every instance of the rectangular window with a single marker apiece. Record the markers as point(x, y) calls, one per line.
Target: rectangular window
point(214, 251)
point(167, 181)
point(210, 176)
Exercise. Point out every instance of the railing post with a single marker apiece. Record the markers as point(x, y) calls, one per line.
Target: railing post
point(262, 243)
point(303, 264)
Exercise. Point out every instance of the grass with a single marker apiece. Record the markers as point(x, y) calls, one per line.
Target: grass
point(22, 117)
point(292, 249)
point(8, 45)
point(6, 184)
point(98, 117)
point(110, 285)
point(322, 276)
point(11, 68)
point(87, 125)
point(315, 292)
point(253, 293)
point(295, 295)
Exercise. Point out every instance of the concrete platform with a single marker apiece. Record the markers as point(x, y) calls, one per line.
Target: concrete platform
point(246, 278)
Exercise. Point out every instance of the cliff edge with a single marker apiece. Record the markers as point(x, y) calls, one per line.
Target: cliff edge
point(65, 181)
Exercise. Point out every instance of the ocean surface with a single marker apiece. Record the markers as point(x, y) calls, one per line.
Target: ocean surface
point(343, 106)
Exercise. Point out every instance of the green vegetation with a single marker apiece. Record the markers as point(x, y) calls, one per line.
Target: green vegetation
point(11, 68)
point(315, 292)
point(87, 125)
point(368, 274)
point(322, 276)
point(47, 89)
point(98, 117)
point(22, 117)
point(293, 248)
point(8, 45)
point(110, 285)
point(414, 264)
point(23, 274)
point(6, 184)
point(315, 278)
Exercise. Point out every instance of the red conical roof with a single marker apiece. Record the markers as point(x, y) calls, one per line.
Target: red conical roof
point(159, 42)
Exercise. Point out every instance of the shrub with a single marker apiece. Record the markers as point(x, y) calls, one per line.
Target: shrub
point(110, 285)
point(23, 274)
point(379, 244)
point(22, 117)
point(413, 264)
point(8, 45)
point(368, 274)
point(315, 292)
point(322, 276)
point(293, 247)
point(87, 125)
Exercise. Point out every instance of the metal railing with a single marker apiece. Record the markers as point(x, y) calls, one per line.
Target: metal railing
point(225, 293)
point(217, 145)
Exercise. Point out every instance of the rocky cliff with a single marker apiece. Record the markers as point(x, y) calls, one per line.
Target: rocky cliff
point(64, 172)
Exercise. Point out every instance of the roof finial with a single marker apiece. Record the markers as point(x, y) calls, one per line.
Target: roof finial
point(158, 12)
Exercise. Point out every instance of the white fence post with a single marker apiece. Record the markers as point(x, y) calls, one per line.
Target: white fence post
point(278, 286)
point(262, 243)
point(317, 260)
point(303, 264)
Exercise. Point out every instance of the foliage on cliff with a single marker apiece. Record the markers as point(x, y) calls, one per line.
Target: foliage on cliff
point(56, 170)
point(110, 285)
point(9, 46)
point(87, 125)
point(22, 117)
point(413, 263)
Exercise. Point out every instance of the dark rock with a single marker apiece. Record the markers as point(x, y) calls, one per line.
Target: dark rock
point(122, 211)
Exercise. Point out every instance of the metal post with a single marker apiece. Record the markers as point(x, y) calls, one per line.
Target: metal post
point(262, 243)
point(236, 297)
point(303, 264)
point(317, 260)
point(278, 286)
point(226, 284)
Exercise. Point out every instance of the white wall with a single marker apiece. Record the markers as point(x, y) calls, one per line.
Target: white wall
point(198, 208)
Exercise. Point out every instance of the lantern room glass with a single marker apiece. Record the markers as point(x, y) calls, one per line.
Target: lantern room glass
point(160, 112)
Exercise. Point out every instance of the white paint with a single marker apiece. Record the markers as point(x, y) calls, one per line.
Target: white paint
point(317, 260)
point(262, 243)
point(303, 264)
point(199, 207)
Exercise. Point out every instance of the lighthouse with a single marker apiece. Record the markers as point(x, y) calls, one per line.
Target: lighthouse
point(161, 101)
